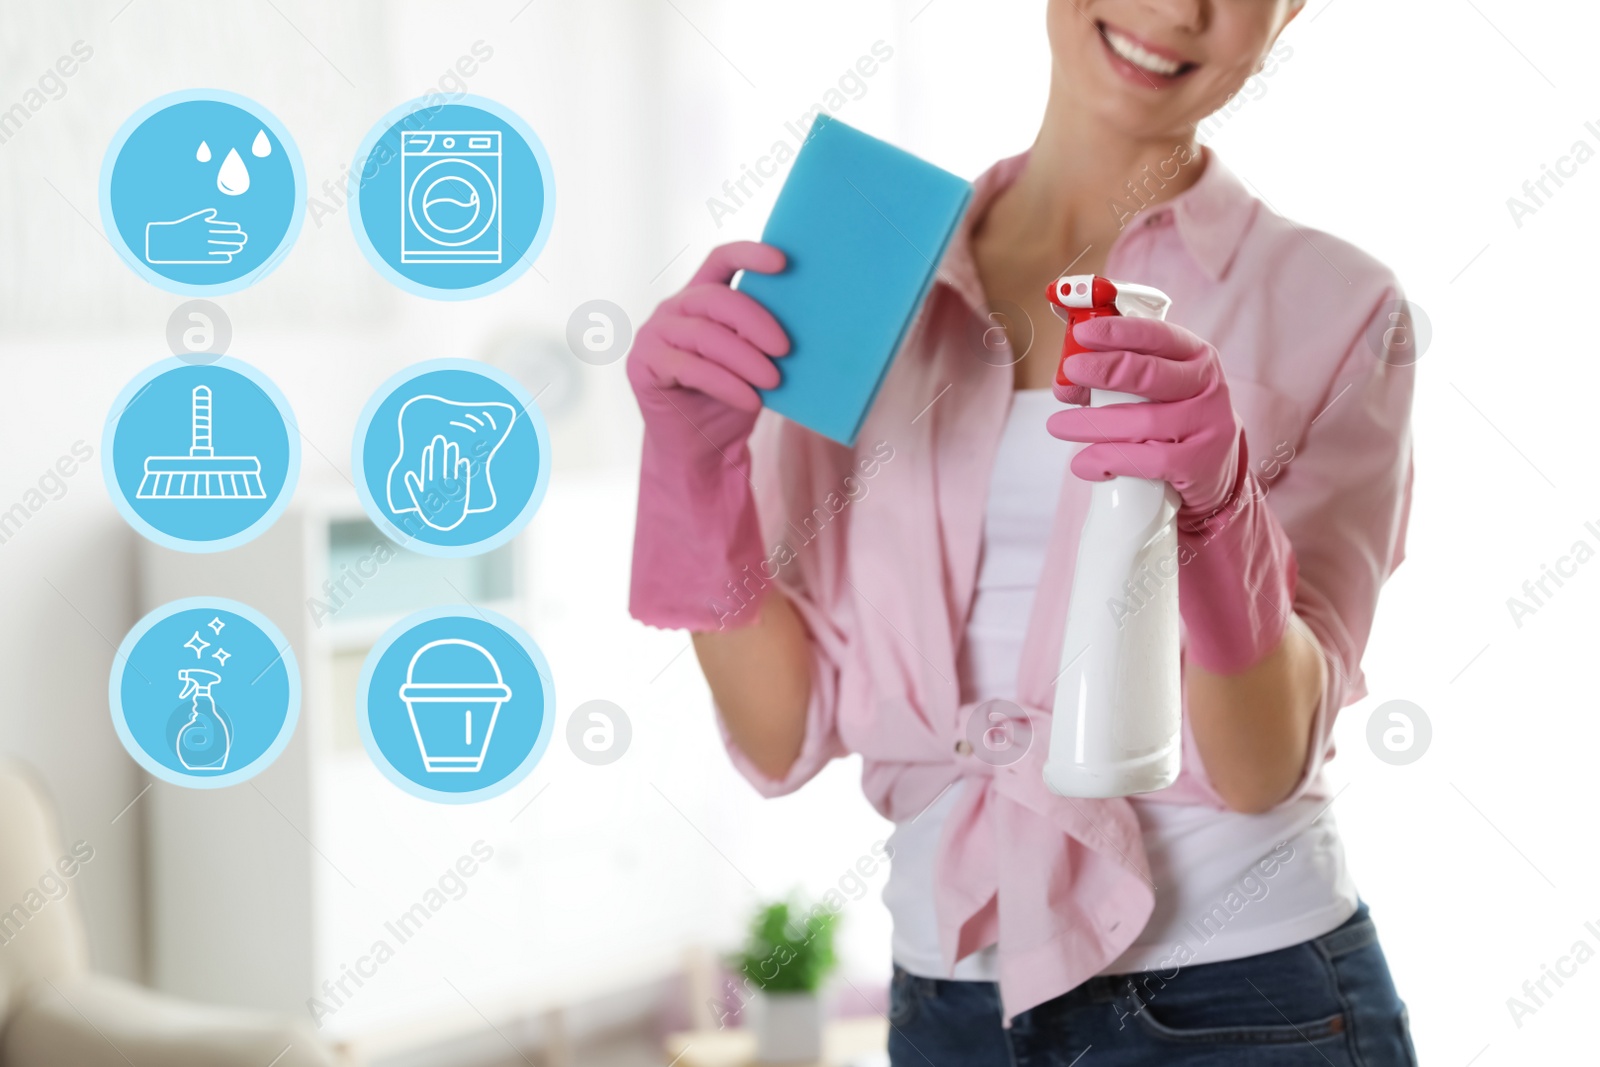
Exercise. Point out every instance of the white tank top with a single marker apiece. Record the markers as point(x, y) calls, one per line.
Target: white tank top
point(1227, 885)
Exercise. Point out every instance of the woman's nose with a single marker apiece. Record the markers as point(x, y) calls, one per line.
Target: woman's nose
point(1191, 16)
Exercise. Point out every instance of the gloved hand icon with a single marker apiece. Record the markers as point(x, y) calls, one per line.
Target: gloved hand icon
point(441, 489)
point(197, 238)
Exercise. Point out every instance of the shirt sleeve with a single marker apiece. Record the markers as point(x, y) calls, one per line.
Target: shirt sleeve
point(798, 476)
point(1344, 500)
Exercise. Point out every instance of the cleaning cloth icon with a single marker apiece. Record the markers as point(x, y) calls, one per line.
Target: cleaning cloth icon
point(203, 742)
point(202, 474)
point(453, 693)
point(446, 447)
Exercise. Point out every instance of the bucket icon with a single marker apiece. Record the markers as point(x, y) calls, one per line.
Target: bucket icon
point(453, 694)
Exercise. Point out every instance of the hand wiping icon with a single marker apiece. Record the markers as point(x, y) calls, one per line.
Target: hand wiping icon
point(451, 458)
point(442, 473)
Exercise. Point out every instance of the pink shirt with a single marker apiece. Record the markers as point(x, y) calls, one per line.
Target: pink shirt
point(879, 549)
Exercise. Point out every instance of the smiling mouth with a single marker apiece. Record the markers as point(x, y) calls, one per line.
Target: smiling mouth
point(1141, 58)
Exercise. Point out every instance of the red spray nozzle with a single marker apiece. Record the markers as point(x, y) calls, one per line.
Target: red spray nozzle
point(1082, 291)
point(1075, 298)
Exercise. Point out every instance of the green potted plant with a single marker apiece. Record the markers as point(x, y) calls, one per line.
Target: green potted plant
point(784, 962)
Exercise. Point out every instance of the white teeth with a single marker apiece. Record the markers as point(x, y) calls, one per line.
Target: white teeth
point(1139, 57)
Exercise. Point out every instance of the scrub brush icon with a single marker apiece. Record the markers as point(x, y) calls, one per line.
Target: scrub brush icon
point(202, 474)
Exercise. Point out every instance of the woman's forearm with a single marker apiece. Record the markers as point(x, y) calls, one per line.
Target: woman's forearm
point(1253, 728)
point(760, 677)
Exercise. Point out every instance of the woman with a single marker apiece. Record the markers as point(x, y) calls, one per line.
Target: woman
point(1211, 922)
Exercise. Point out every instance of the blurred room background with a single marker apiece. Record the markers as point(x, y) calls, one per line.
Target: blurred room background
point(613, 891)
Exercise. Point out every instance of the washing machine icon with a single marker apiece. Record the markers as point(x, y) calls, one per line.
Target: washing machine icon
point(450, 185)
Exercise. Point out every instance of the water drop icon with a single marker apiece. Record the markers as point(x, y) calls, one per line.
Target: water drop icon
point(233, 177)
point(261, 147)
point(203, 153)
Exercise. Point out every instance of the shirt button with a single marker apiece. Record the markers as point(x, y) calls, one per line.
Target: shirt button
point(963, 747)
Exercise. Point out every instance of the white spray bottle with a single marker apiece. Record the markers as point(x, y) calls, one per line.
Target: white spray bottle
point(1117, 725)
point(203, 743)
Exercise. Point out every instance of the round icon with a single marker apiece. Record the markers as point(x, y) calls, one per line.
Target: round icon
point(598, 332)
point(202, 192)
point(200, 458)
point(198, 331)
point(599, 732)
point(454, 200)
point(451, 457)
point(1400, 333)
point(999, 732)
point(455, 705)
point(205, 692)
point(1001, 335)
point(1399, 732)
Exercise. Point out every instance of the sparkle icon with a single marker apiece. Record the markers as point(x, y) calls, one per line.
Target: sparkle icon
point(197, 644)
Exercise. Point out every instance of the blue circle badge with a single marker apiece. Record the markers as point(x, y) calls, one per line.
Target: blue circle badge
point(200, 458)
point(205, 692)
point(202, 192)
point(455, 705)
point(451, 457)
point(454, 200)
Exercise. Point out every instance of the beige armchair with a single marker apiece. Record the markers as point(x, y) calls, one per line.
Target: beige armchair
point(54, 1010)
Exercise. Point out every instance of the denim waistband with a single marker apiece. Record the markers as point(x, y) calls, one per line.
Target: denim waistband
point(1354, 933)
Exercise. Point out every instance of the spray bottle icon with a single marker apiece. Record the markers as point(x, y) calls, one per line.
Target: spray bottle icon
point(203, 741)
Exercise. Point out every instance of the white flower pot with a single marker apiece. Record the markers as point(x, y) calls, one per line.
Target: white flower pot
point(788, 1027)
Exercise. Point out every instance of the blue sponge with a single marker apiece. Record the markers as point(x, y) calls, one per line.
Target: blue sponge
point(864, 225)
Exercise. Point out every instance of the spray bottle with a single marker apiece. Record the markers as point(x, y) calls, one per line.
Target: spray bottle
point(203, 741)
point(1117, 727)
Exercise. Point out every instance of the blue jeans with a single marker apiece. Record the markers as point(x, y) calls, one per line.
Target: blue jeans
point(1327, 1002)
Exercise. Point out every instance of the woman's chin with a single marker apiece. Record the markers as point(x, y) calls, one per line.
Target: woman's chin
point(1133, 114)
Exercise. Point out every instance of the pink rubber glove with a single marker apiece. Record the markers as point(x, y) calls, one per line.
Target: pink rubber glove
point(1237, 573)
point(694, 367)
